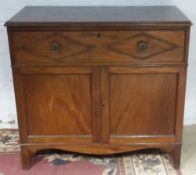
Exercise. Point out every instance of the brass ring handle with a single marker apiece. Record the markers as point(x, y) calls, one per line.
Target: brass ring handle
point(56, 47)
point(142, 46)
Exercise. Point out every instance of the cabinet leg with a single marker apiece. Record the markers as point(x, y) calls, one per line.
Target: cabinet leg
point(176, 156)
point(26, 157)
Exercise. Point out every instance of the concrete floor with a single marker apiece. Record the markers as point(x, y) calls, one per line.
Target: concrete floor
point(188, 159)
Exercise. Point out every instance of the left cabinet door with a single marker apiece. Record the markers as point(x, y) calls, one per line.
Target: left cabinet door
point(61, 104)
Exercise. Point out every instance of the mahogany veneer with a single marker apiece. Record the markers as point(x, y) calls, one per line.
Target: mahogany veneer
point(99, 80)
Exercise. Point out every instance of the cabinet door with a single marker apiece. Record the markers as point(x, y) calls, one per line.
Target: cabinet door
point(61, 104)
point(140, 104)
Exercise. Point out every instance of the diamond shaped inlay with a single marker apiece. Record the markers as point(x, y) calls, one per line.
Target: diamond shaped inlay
point(154, 46)
point(68, 47)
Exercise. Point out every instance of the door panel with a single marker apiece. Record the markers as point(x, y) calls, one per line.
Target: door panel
point(141, 104)
point(60, 104)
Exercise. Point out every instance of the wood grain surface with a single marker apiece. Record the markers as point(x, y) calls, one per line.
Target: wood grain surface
point(98, 47)
point(99, 80)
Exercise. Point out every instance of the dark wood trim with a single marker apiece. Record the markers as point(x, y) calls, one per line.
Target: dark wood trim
point(172, 64)
point(96, 100)
point(105, 105)
point(103, 27)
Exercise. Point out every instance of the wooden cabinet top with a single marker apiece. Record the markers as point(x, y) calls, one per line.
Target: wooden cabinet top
point(132, 15)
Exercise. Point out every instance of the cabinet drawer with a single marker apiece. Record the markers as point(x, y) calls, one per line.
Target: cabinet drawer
point(138, 47)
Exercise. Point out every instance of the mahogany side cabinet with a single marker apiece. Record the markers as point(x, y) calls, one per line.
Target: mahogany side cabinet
point(99, 80)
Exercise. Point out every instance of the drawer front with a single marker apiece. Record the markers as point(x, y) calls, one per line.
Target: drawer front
point(57, 47)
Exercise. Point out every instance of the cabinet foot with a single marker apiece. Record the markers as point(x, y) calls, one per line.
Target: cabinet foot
point(26, 158)
point(176, 156)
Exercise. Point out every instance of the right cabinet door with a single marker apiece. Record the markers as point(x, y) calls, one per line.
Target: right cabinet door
point(142, 104)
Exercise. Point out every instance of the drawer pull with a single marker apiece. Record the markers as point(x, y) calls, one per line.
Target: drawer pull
point(142, 46)
point(56, 47)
